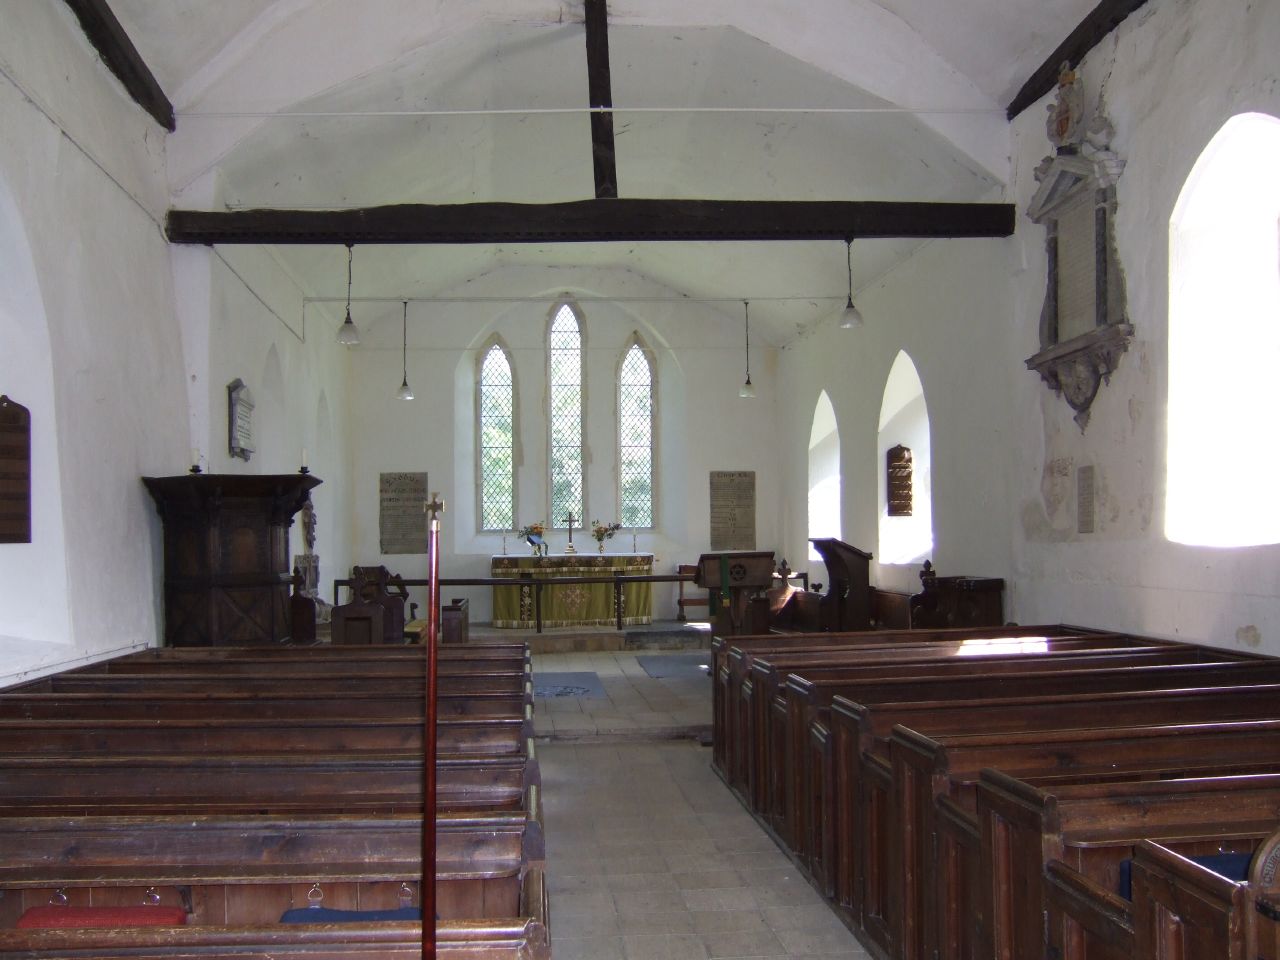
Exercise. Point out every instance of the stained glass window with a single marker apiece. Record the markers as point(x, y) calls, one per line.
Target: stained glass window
point(497, 442)
point(635, 439)
point(564, 357)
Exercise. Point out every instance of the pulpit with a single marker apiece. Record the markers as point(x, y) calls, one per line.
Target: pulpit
point(740, 574)
point(847, 605)
point(226, 555)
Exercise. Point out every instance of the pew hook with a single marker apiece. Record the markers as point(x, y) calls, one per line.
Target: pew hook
point(314, 896)
point(406, 895)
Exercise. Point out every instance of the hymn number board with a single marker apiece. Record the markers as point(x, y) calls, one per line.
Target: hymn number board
point(15, 472)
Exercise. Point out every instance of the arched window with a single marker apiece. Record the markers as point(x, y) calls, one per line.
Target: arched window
point(904, 423)
point(635, 438)
point(1224, 341)
point(824, 474)
point(564, 375)
point(496, 412)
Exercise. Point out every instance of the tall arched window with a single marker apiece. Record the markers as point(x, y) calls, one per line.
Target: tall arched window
point(496, 411)
point(1224, 341)
point(564, 375)
point(904, 422)
point(824, 474)
point(635, 438)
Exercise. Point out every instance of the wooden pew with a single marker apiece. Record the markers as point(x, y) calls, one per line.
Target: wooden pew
point(238, 875)
point(319, 652)
point(735, 670)
point(859, 741)
point(264, 704)
point(759, 643)
point(808, 701)
point(1091, 829)
point(784, 762)
point(461, 735)
point(917, 897)
point(466, 680)
point(284, 784)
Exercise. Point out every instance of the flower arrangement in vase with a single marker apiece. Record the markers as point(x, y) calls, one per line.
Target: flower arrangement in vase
point(603, 531)
point(532, 533)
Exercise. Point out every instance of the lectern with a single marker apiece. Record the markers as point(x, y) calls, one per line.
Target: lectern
point(740, 573)
point(226, 555)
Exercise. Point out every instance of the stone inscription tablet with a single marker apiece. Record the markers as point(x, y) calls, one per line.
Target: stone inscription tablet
point(15, 472)
point(402, 523)
point(733, 509)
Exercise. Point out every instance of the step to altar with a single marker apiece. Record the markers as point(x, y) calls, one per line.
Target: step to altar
point(664, 635)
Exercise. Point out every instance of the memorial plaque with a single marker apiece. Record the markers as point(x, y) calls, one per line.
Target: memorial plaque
point(402, 521)
point(239, 420)
point(898, 480)
point(15, 472)
point(733, 509)
point(1085, 500)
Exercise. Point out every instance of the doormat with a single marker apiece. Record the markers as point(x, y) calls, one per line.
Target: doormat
point(576, 684)
point(676, 666)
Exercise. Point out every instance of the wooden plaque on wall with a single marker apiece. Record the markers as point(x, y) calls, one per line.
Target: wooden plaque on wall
point(733, 509)
point(15, 472)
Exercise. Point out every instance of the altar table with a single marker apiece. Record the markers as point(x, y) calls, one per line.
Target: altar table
point(572, 604)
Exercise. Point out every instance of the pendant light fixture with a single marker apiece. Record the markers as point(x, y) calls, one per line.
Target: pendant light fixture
point(348, 335)
point(748, 389)
point(404, 393)
point(851, 317)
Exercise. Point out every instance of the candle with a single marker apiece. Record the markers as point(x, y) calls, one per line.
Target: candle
point(304, 456)
point(195, 456)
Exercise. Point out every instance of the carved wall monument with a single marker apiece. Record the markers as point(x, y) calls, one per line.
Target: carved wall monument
point(1083, 327)
point(239, 420)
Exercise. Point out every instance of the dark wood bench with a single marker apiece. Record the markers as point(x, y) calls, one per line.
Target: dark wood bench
point(760, 643)
point(809, 701)
point(266, 704)
point(1092, 829)
point(781, 752)
point(736, 664)
point(918, 900)
point(237, 876)
point(859, 739)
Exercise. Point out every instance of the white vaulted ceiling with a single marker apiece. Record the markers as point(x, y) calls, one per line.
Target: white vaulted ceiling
point(379, 67)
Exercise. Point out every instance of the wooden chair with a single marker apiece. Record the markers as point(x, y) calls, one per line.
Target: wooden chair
point(688, 569)
point(361, 623)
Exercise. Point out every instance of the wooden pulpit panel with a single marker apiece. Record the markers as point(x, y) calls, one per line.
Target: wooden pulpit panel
point(15, 472)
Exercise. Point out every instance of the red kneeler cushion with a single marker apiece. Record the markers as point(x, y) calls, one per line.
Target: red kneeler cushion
point(80, 918)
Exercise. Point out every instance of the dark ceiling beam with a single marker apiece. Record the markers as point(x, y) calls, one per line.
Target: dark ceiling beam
point(600, 92)
point(1093, 29)
point(122, 58)
point(595, 221)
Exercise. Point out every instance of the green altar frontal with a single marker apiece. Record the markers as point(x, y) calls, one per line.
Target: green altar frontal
point(572, 604)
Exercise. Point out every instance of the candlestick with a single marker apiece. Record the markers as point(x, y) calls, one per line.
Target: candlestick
point(633, 540)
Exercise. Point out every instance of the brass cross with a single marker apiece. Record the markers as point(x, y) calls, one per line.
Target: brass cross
point(434, 506)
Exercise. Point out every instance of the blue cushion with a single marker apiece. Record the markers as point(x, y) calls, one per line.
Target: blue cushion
point(1233, 866)
point(329, 915)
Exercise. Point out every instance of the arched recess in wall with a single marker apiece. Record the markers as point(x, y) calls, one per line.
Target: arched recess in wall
point(824, 473)
point(904, 423)
point(1224, 341)
point(35, 609)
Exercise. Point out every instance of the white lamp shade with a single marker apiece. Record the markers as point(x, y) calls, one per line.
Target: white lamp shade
point(348, 335)
point(851, 317)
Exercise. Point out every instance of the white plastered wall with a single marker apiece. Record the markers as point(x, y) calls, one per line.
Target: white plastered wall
point(947, 307)
point(702, 423)
point(1173, 74)
point(82, 165)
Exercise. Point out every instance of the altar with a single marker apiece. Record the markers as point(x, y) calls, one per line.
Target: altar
point(572, 604)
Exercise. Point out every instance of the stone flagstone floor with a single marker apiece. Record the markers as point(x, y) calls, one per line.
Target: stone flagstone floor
point(650, 857)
